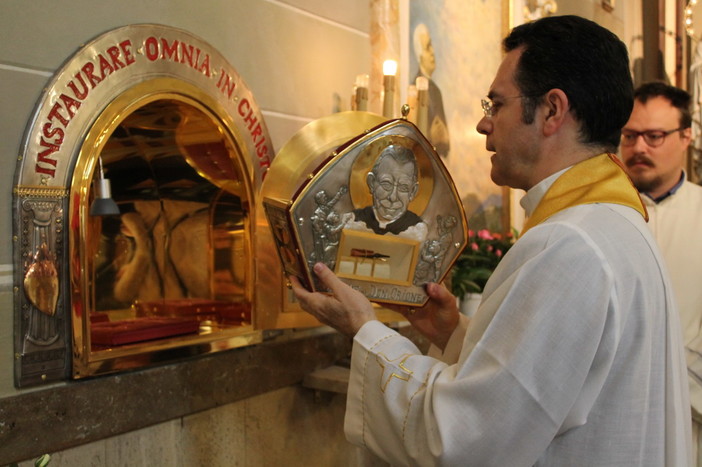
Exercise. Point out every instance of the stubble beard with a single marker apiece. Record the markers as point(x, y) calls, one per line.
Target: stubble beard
point(648, 185)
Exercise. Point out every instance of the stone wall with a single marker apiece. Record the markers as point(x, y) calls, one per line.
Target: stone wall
point(288, 53)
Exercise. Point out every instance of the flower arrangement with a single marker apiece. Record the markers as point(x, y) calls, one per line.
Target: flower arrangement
point(475, 265)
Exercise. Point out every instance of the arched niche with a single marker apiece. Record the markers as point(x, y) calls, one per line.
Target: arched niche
point(167, 122)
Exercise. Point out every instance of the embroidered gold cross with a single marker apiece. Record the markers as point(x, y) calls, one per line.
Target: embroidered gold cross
point(405, 374)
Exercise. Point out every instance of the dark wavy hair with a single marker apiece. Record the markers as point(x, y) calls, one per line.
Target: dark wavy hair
point(679, 98)
point(584, 60)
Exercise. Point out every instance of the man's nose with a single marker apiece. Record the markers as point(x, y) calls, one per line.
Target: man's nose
point(640, 145)
point(484, 126)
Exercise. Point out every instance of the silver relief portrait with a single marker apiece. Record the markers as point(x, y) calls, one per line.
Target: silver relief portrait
point(383, 215)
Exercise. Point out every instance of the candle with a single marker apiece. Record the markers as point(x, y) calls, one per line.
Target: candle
point(361, 93)
point(412, 103)
point(422, 104)
point(389, 71)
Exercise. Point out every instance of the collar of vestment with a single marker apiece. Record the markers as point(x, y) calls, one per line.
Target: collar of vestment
point(599, 179)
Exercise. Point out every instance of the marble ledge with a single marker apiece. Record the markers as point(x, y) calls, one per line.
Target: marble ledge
point(61, 417)
point(75, 413)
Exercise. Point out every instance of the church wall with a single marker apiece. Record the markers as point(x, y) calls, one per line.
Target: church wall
point(288, 53)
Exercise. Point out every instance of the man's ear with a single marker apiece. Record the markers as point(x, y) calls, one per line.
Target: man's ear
point(370, 181)
point(415, 189)
point(687, 135)
point(557, 108)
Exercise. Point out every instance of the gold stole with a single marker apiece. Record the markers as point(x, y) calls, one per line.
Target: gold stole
point(600, 179)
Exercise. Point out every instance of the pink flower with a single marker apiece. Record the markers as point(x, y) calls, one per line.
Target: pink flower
point(484, 234)
point(474, 246)
point(498, 253)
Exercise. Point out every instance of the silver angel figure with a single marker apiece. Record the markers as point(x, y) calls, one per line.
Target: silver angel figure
point(325, 228)
point(433, 251)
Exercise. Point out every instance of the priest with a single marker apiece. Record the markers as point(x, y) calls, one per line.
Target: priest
point(575, 355)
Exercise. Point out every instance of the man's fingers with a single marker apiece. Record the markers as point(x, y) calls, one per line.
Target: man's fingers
point(297, 288)
point(306, 298)
point(313, 303)
point(440, 294)
point(316, 301)
point(347, 310)
point(328, 278)
point(295, 282)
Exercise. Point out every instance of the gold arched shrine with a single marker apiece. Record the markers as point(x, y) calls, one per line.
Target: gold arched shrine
point(153, 79)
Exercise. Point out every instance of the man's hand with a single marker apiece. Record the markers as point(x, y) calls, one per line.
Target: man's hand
point(438, 318)
point(346, 310)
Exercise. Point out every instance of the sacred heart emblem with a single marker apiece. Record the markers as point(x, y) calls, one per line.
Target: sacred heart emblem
point(41, 282)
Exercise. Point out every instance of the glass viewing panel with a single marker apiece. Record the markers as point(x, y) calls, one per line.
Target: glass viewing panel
point(176, 260)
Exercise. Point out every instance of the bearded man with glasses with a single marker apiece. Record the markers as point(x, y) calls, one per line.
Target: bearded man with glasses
point(654, 150)
point(655, 140)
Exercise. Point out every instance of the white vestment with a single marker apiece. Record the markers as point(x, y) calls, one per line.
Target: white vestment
point(676, 223)
point(573, 358)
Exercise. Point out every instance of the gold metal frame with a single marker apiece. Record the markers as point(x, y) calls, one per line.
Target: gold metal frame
point(408, 250)
point(315, 162)
point(103, 82)
point(87, 361)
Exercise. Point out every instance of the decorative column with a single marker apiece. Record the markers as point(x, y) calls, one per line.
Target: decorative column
point(385, 45)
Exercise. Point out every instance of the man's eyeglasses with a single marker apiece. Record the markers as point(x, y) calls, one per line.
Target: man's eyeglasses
point(401, 187)
point(653, 138)
point(490, 107)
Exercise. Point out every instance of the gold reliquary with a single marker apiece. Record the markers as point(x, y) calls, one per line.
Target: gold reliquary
point(372, 200)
